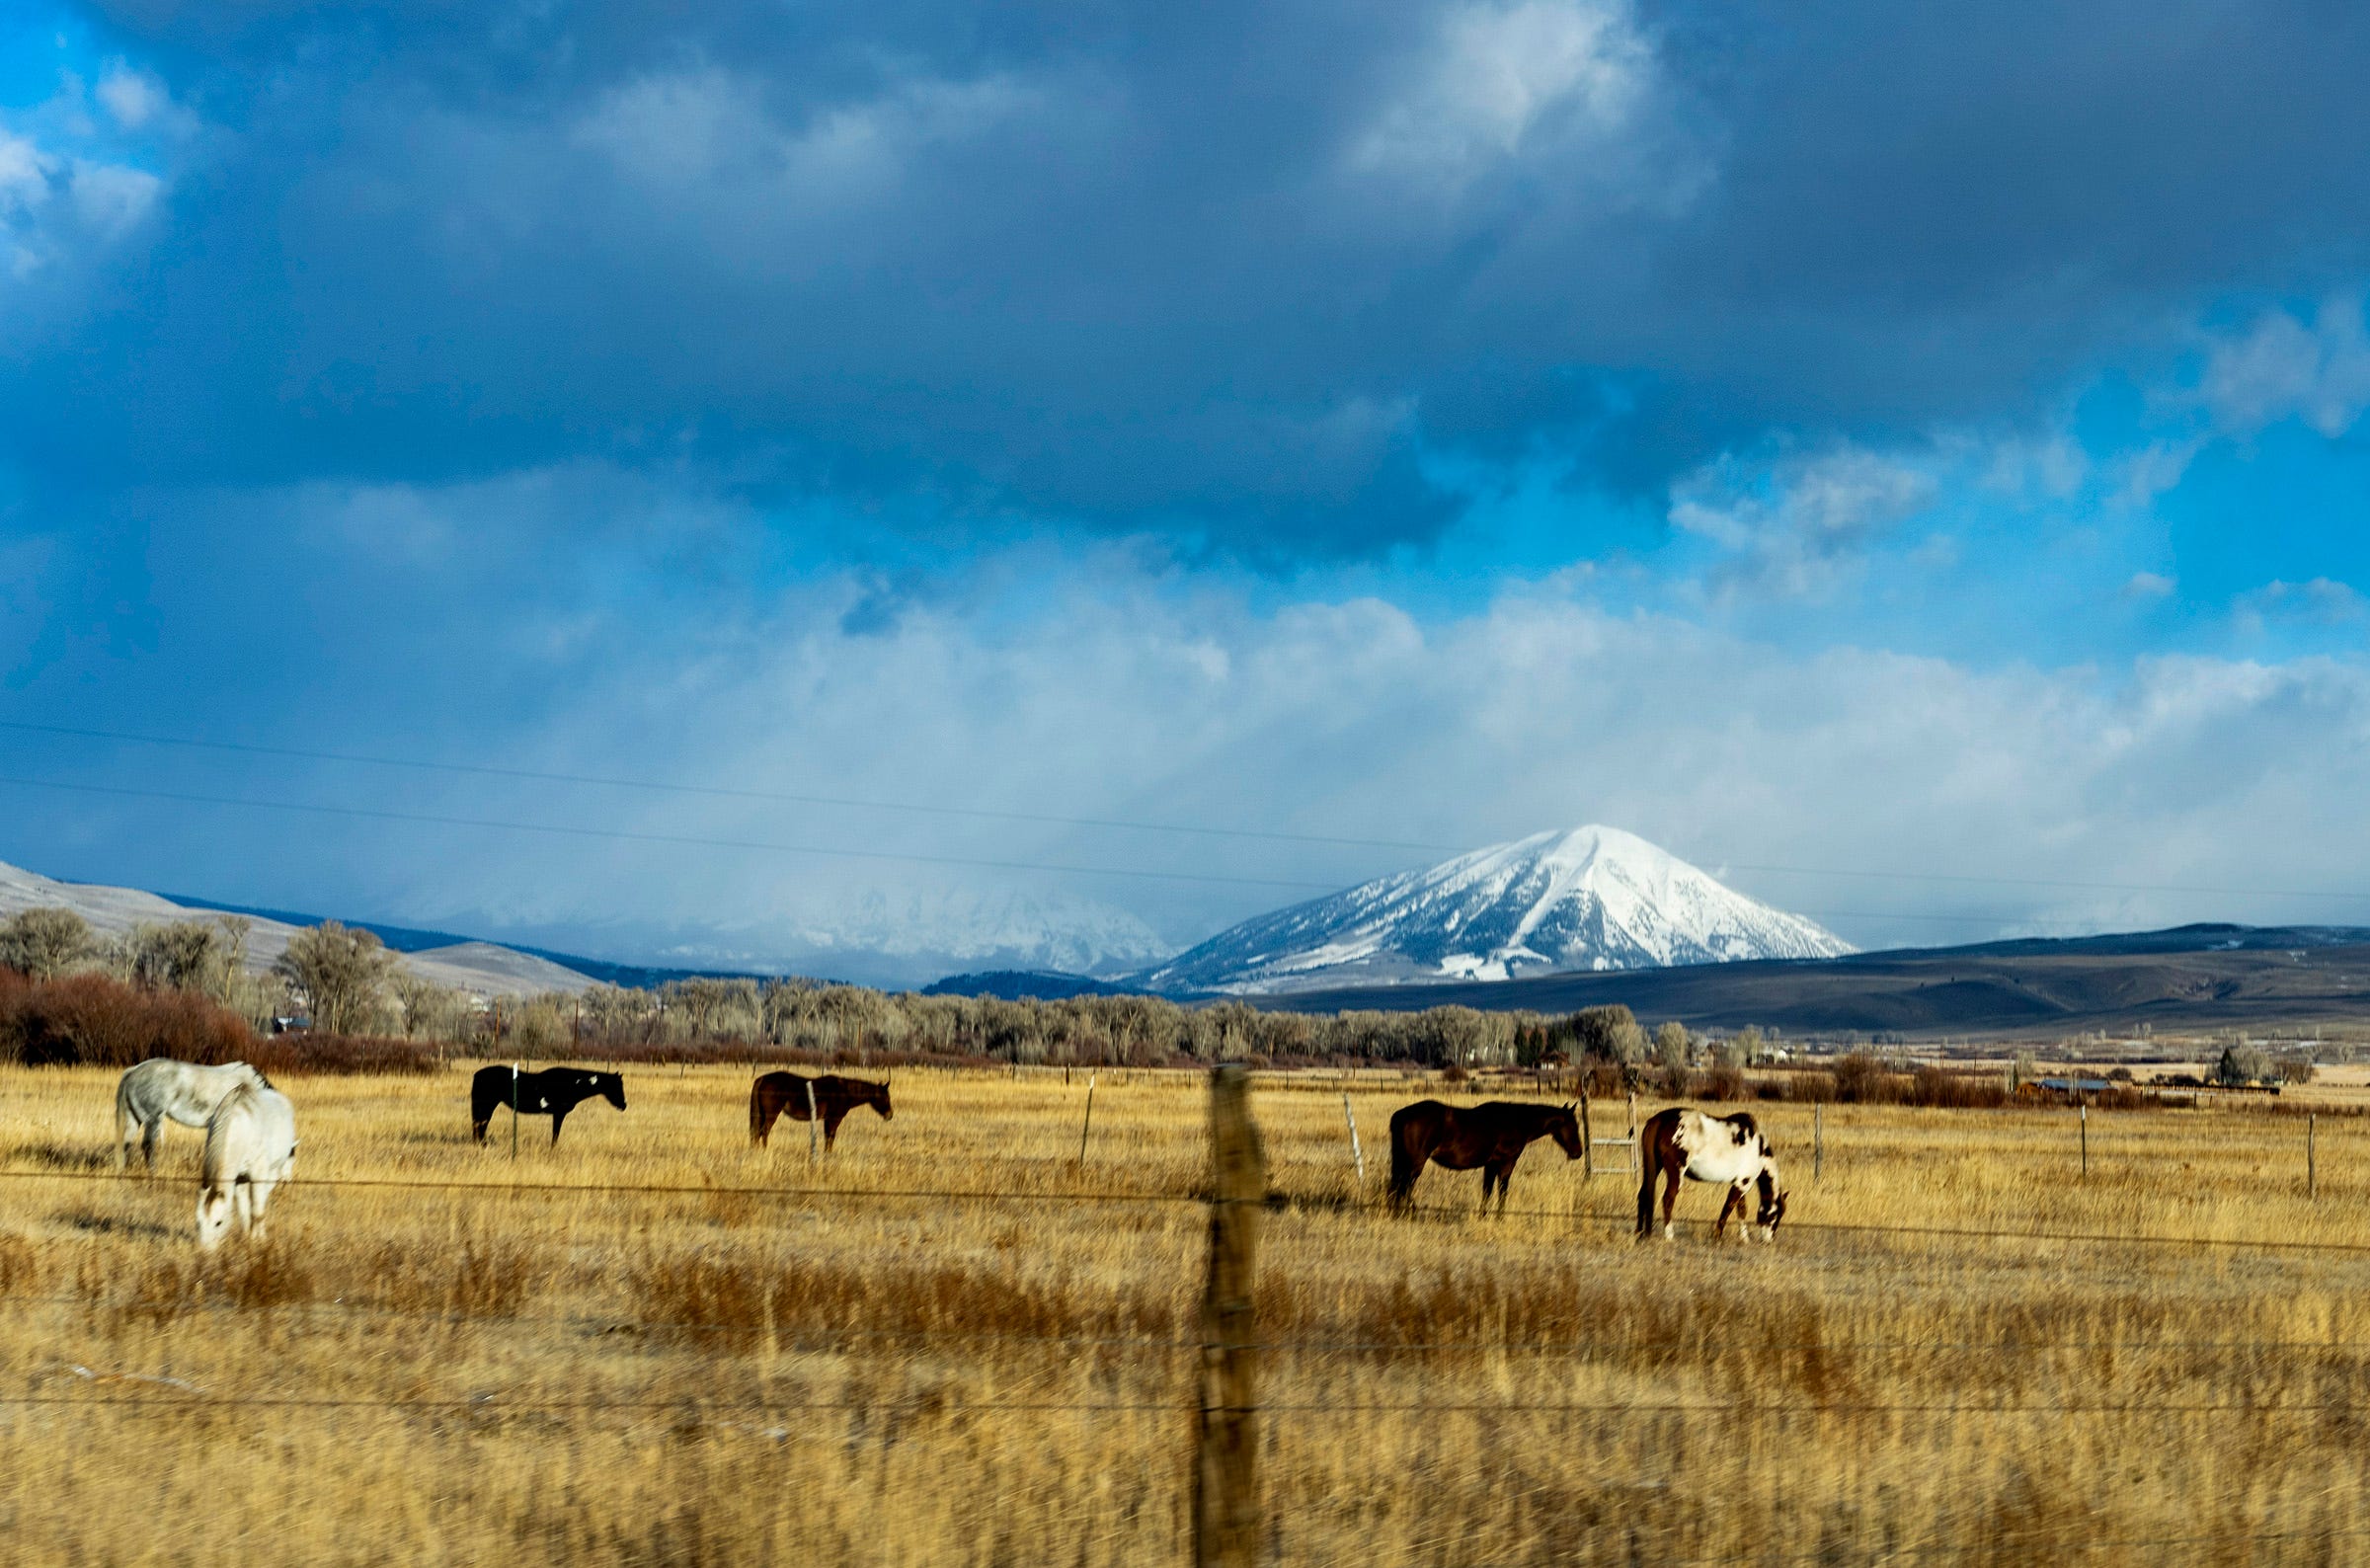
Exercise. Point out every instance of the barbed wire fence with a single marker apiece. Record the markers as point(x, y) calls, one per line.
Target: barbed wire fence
point(1226, 1411)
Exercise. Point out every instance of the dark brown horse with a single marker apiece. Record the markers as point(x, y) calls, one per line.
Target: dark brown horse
point(1679, 1144)
point(779, 1094)
point(1491, 1136)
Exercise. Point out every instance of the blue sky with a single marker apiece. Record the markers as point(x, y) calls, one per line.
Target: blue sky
point(1829, 440)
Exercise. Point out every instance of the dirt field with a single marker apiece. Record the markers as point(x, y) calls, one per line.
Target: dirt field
point(704, 1375)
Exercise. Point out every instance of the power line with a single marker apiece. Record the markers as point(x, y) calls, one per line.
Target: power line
point(685, 840)
point(720, 792)
point(372, 814)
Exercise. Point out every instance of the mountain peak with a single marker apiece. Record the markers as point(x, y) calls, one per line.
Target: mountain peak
point(1590, 898)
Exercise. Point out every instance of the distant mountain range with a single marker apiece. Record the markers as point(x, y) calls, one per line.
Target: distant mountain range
point(1591, 898)
point(2191, 978)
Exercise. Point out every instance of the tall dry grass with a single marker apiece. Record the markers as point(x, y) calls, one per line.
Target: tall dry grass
point(768, 1360)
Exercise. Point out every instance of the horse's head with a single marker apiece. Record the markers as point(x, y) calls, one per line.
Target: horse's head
point(611, 1087)
point(213, 1217)
point(1773, 1202)
point(1564, 1126)
point(878, 1096)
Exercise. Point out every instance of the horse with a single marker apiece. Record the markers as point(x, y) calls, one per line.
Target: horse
point(1679, 1143)
point(161, 1088)
point(250, 1149)
point(1491, 1136)
point(552, 1092)
point(778, 1094)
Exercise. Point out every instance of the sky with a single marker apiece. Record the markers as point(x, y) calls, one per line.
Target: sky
point(1053, 480)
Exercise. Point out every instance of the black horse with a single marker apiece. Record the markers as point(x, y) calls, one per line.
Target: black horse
point(552, 1092)
point(1492, 1136)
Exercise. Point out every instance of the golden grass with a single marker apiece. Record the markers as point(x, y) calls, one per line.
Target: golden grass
point(716, 1374)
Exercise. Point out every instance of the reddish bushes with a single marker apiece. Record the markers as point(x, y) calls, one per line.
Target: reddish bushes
point(89, 1020)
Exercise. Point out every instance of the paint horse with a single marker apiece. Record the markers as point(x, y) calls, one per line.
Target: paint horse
point(162, 1089)
point(1491, 1136)
point(552, 1092)
point(1681, 1144)
point(779, 1094)
point(250, 1149)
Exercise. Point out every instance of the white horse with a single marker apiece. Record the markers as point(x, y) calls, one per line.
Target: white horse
point(250, 1149)
point(161, 1087)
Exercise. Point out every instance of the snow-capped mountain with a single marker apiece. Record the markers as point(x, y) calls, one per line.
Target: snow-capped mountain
point(1591, 898)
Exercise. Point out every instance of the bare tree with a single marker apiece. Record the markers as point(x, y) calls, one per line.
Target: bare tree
point(46, 943)
point(1674, 1047)
point(342, 973)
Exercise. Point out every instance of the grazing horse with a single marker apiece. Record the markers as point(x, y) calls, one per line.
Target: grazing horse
point(1679, 1143)
point(552, 1092)
point(779, 1094)
point(250, 1149)
point(161, 1088)
point(1491, 1136)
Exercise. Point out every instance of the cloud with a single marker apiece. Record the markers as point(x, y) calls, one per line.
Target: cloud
point(2319, 602)
point(1116, 272)
point(1083, 683)
point(1795, 527)
point(1499, 75)
point(2149, 585)
point(2282, 368)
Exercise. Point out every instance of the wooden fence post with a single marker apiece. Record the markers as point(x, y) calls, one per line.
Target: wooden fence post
point(2085, 1140)
point(1089, 1124)
point(1588, 1142)
point(513, 1110)
point(2312, 1165)
point(1355, 1153)
point(1818, 1139)
point(814, 1121)
point(1225, 1482)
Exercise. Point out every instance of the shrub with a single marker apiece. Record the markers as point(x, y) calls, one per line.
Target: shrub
point(1860, 1079)
point(89, 1020)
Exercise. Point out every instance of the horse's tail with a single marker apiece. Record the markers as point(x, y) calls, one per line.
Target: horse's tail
point(1650, 1140)
point(756, 1112)
point(1406, 1158)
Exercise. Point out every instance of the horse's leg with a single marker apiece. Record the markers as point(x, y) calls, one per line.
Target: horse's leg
point(1735, 1202)
point(1670, 1199)
point(1506, 1182)
point(148, 1130)
point(558, 1115)
point(260, 1198)
point(830, 1126)
point(1650, 1169)
point(242, 1204)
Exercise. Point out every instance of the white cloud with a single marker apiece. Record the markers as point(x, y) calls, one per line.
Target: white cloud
point(133, 97)
point(1501, 78)
point(1794, 526)
point(2149, 585)
point(2321, 602)
point(2284, 368)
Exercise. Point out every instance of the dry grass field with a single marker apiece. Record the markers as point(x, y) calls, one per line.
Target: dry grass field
point(705, 1374)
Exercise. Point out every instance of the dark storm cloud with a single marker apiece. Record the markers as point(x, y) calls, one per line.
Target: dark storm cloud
point(1231, 271)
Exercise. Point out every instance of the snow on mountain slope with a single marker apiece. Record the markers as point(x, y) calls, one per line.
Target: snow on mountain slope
point(1591, 898)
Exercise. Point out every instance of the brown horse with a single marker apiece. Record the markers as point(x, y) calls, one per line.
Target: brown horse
point(1491, 1136)
point(1681, 1144)
point(779, 1094)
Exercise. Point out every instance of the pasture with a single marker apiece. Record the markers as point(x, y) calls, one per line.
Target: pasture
point(732, 1356)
